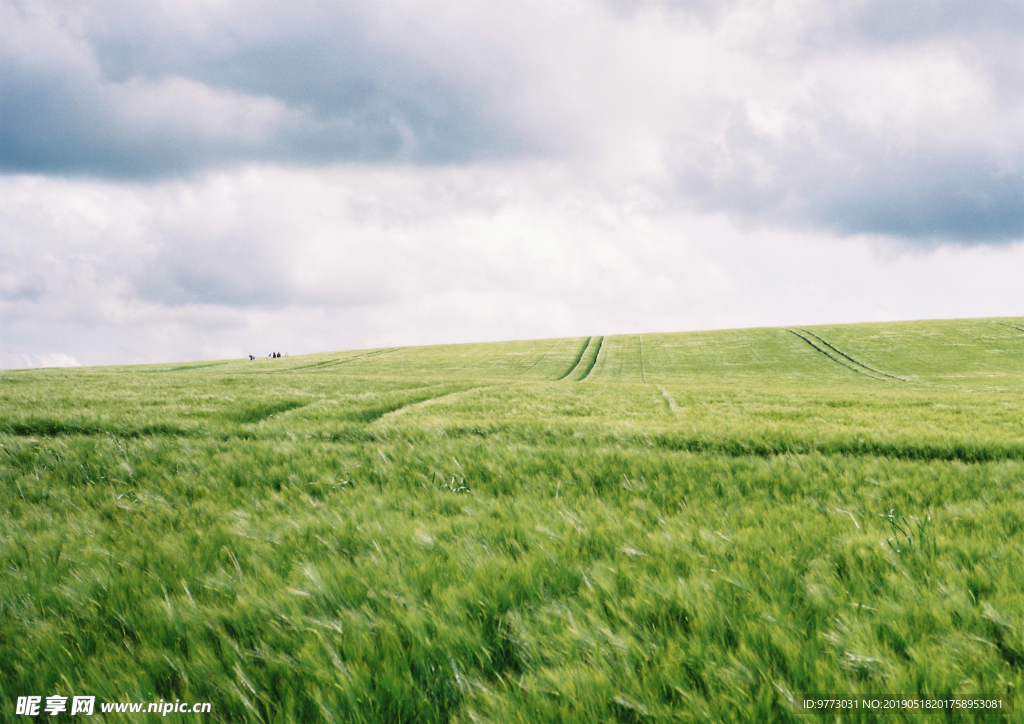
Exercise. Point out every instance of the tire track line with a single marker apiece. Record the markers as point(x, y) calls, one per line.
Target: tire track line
point(593, 362)
point(855, 361)
point(578, 358)
point(541, 359)
point(188, 368)
point(336, 363)
point(672, 406)
point(643, 373)
point(1011, 326)
point(835, 359)
point(472, 363)
point(392, 414)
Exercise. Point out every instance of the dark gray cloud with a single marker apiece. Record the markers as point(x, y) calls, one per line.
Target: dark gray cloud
point(889, 117)
point(895, 118)
point(141, 90)
point(839, 178)
point(964, 200)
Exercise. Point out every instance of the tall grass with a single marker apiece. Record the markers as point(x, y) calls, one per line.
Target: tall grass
point(432, 534)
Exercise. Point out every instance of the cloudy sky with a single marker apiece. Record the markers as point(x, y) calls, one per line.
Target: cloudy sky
point(199, 179)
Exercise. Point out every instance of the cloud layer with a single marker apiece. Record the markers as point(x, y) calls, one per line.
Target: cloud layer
point(901, 118)
point(148, 90)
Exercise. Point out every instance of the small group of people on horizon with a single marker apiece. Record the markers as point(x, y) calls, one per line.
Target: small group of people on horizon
point(272, 355)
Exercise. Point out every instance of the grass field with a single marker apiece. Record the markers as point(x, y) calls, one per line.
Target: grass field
point(696, 527)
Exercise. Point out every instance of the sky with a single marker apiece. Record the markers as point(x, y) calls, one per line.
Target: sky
point(206, 179)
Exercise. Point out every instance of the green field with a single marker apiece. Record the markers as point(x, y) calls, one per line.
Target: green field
point(696, 527)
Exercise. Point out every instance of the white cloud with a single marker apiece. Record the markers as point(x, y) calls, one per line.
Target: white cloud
point(55, 359)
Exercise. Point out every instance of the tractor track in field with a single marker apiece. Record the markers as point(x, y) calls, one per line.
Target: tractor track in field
point(1011, 326)
point(576, 364)
point(473, 363)
point(854, 360)
point(593, 362)
point(185, 368)
point(672, 406)
point(825, 350)
point(643, 372)
point(539, 360)
point(336, 363)
point(391, 414)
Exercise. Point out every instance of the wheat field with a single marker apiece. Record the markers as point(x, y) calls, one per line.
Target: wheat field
point(693, 527)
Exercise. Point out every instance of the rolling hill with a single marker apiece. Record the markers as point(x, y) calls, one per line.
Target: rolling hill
point(712, 526)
